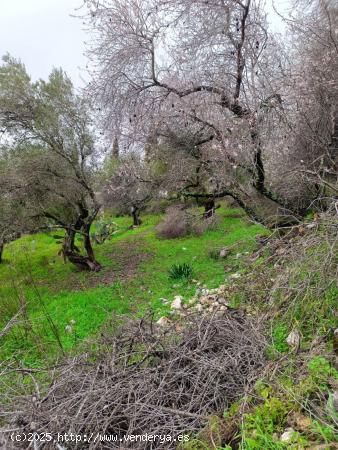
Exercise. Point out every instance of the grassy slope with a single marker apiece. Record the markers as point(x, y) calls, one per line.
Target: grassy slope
point(134, 280)
point(57, 294)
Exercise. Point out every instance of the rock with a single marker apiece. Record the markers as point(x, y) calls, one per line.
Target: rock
point(204, 300)
point(293, 340)
point(287, 435)
point(68, 329)
point(163, 321)
point(222, 289)
point(235, 276)
point(199, 307)
point(177, 302)
point(223, 308)
point(224, 252)
point(223, 301)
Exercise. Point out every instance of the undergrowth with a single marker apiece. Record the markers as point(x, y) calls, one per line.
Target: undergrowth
point(290, 280)
point(134, 280)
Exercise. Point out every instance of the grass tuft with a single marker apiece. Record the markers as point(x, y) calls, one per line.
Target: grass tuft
point(181, 271)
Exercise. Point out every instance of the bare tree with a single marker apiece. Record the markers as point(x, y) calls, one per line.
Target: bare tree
point(131, 187)
point(315, 94)
point(189, 60)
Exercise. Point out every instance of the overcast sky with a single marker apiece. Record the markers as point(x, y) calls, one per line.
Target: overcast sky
point(43, 34)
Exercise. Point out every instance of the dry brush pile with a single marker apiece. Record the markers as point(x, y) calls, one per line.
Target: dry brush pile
point(146, 379)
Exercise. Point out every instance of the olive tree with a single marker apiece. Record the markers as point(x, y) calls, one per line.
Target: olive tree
point(48, 129)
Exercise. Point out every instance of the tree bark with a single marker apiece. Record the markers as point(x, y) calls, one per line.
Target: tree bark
point(135, 212)
point(209, 208)
point(72, 253)
point(92, 263)
point(2, 245)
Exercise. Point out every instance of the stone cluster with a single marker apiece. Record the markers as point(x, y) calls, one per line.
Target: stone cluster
point(204, 301)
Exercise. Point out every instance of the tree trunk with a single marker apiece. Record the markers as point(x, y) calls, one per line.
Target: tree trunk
point(135, 212)
point(72, 253)
point(2, 245)
point(209, 208)
point(262, 208)
point(92, 263)
point(258, 206)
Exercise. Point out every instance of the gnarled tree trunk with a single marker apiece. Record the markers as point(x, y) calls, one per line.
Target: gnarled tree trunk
point(72, 253)
point(135, 212)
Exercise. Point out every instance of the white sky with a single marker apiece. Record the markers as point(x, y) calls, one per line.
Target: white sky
point(43, 35)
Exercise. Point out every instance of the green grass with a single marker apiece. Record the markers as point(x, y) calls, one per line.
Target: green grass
point(64, 307)
point(56, 293)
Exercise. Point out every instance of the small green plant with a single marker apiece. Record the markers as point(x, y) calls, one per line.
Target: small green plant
point(104, 230)
point(279, 334)
point(266, 419)
point(180, 271)
point(320, 370)
point(214, 254)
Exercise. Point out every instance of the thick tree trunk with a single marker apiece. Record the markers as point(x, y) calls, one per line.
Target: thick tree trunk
point(209, 208)
point(72, 253)
point(135, 212)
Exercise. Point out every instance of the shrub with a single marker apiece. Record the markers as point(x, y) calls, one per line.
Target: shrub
point(180, 222)
point(202, 225)
point(175, 224)
point(104, 230)
point(180, 271)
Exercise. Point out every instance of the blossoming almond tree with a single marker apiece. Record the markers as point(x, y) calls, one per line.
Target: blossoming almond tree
point(190, 60)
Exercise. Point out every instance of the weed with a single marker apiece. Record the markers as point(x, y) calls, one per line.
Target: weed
point(214, 254)
point(279, 335)
point(181, 271)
